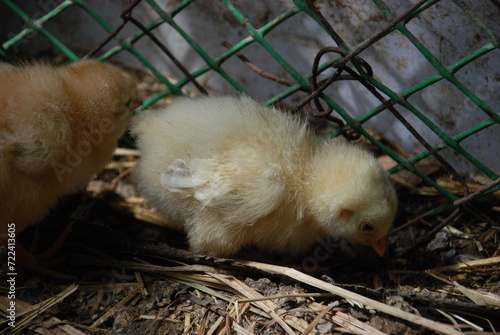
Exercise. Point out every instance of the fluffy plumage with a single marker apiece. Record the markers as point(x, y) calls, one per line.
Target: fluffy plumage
point(233, 173)
point(58, 127)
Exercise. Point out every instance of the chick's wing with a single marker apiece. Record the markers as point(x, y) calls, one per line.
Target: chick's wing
point(34, 146)
point(34, 128)
point(240, 184)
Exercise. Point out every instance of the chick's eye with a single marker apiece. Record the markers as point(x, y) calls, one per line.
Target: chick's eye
point(128, 103)
point(366, 227)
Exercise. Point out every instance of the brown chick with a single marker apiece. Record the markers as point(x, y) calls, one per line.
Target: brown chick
point(233, 173)
point(58, 127)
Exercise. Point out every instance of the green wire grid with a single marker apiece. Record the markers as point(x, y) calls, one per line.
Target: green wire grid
point(301, 81)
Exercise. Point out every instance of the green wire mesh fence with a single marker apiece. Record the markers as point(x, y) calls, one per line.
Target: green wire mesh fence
point(128, 33)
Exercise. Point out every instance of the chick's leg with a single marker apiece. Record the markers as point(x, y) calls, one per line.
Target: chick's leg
point(31, 262)
point(54, 248)
point(28, 260)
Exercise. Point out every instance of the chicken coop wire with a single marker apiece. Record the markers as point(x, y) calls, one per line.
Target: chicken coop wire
point(300, 82)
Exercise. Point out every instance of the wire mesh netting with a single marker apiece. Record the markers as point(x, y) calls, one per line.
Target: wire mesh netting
point(332, 58)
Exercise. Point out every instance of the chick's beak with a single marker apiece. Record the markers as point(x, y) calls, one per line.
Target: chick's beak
point(378, 246)
point(135, 103)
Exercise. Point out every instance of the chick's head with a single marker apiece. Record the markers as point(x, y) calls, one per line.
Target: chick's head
point(349, 194)
point(101, 98)
point(102, 91)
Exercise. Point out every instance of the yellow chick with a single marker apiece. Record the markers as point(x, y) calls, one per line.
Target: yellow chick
point(58, 127)
point(233, 173)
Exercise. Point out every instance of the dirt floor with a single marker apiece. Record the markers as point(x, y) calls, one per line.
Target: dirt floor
point(133, 276)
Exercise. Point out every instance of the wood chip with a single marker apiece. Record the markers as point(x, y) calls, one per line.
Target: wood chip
point(353, 325)
point(267, 306)
point(297, 275)
point(469, 265)
point(26, 314)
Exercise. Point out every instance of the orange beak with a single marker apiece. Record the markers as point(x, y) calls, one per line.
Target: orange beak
point(378, 246)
